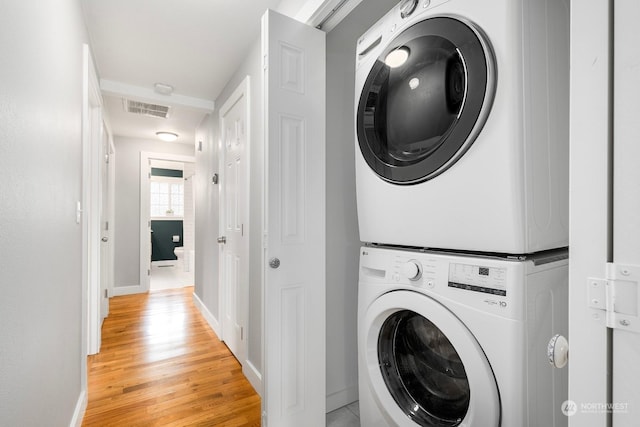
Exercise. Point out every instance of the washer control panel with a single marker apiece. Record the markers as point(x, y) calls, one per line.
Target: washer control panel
point(477, 278)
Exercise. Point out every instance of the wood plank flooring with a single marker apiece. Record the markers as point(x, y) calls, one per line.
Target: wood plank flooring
point(161, 365)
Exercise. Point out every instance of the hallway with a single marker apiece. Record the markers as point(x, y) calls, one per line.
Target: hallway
point(160, 364)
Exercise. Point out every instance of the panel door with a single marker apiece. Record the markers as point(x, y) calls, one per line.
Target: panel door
point(294, 278)
point(234, 253)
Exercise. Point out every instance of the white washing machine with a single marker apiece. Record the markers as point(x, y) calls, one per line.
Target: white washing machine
point(462, 126)
point(453, 340)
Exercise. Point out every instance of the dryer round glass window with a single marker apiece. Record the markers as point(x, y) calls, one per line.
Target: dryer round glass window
point(422, 370)
point(425, 100)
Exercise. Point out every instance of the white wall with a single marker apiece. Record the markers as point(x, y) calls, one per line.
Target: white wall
point(206, 217)
point(41, 362)
point(342, 223)
point(127, 203)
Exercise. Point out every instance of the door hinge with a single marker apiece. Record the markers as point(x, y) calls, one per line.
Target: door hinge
point(241, 333)
point(148, 272)
point(264, 419)
point(106, 293)
point(617, 295)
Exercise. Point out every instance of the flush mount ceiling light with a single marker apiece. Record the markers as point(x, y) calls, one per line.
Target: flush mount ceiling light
point(397, 57)
point(163, 88)
point(167, 136)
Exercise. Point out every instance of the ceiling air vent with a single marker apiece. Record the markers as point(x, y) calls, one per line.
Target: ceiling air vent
point(145, 109)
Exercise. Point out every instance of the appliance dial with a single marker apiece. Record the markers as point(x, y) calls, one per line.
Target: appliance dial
point(407, 7)
point(412, 270)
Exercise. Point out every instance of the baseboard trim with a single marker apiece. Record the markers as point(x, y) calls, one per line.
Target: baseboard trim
point(342, 398)
point(164, 263)
point(210, 318)
point(253, 375)
point(126, 290)
point(81, 407)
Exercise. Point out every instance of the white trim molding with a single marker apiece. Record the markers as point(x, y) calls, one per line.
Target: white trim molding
point(253, 375)
point(81, 407)
point(208, 316)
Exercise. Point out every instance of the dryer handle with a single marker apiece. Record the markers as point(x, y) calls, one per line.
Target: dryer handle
point(558, 351)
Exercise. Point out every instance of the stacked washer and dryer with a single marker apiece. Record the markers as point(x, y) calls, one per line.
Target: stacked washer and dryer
point(462, 154)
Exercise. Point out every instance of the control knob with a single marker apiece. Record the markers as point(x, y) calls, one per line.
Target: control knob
point(412, 270)
point(407, 7)
point(558, 351)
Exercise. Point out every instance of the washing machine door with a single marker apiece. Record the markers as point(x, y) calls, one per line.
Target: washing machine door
point(425, 100)
point(425, 367)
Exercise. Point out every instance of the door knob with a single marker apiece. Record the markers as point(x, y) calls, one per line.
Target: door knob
point(105, 239)
point(274, 263)
point(222, 239)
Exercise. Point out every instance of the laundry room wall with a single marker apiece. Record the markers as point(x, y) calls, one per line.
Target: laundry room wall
point(342, 223)
point(127, 203)
point(42, 370)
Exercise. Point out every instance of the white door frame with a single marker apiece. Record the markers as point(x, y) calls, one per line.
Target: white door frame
point(625, 397)
point(106, 223)
point(241, 92)
point(590, 238)
point(111, 197)
point(92, 126)
point(145, 215)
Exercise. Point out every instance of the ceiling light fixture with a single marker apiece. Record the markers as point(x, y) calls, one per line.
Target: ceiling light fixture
point(167, 136)
point(397, 57)
point(163, 88)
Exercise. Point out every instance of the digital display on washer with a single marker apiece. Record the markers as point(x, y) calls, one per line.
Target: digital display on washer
point(488, 280)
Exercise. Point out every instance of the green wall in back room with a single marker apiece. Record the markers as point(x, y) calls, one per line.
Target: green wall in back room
point(161, 239)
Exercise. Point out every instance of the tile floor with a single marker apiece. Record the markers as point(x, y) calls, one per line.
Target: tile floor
point(167, 277)
point(347, 416)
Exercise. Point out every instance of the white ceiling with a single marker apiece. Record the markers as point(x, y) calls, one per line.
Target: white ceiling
point(192, 45)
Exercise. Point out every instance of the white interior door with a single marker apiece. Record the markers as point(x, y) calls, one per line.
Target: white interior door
point(105, 230)
point(92, 123)
point(234, 251)
point(294, 277)
point(626, 218)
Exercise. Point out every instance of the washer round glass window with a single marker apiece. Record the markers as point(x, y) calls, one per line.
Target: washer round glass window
point(425, 100)
point(422, 370)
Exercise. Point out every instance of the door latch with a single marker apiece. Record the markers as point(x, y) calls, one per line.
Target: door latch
point(617, 295)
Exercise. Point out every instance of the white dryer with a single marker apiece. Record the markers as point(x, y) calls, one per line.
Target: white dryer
point(462, 126)
point(452, 340)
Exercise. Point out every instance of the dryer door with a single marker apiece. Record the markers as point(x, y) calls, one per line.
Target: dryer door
point(425, 367)
point(425, 100)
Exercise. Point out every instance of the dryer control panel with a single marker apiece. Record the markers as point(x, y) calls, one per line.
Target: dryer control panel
point(488, 280)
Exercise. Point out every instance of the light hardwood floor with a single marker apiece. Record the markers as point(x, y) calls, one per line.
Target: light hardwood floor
point(161, 365)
